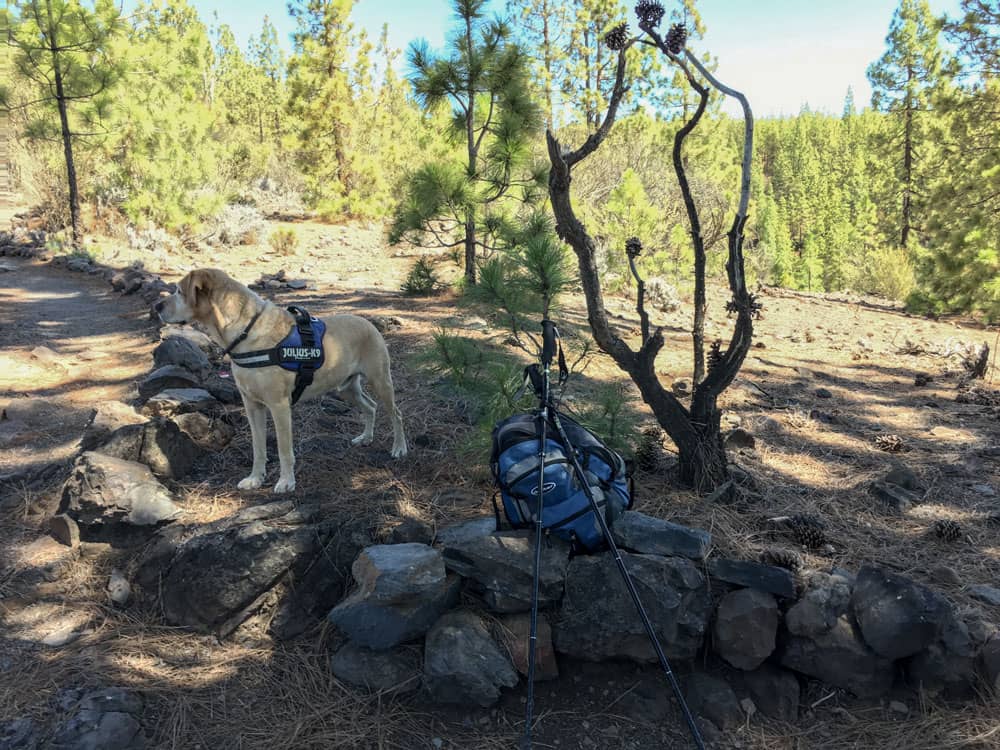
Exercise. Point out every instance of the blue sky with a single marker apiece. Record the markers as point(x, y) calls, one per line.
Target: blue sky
point(781, 53)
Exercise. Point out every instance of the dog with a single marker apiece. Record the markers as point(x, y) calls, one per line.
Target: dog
point(239, 320)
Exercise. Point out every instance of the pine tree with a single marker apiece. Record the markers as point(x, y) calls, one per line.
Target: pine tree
point(63, 48)
point(543, 27)
point(903, 81)
point(482, 78)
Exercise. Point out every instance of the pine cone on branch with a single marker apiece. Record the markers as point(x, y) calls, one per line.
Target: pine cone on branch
point(650, 13)
point(676, 38)
point(617, 38)
point(714, 356)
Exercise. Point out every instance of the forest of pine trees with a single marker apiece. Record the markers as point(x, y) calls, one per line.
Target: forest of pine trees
point(165, 120)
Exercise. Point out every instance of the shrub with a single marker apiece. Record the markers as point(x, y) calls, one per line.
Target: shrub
point(888, 272)
point(422, 280)
point(662, 296)
point(237, 225)
point(283, 241)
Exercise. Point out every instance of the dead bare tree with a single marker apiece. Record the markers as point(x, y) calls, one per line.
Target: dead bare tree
point(695, 430)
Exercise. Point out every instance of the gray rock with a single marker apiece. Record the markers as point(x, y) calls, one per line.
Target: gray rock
point(841, 658)
point(118, 588)
point(222, 388)
point(990, 660)
point(106, 419)
point(395, 672)
point(198, 338)
point(208, 433)
point(647, 535)
point(159, 444)
point(19, 734)
point(212, 577)
point(895, 498)
point(598, 619)
point(775, 691)
point(65, 530)
point(746, 623)
point(175, 401)
point(754, 575)
point(103, 492)
point(411, 530)
point(948, 665)
point(827, 597)
point(903, 476)
point(897, 616)
point(500, 568)
point(466, 531)
point(102, 719)
point(169, 376)
point(712, 698)
point(182, 351)
point(987, 594)
point(392, 573)
point(462, 664)
point(740, 438)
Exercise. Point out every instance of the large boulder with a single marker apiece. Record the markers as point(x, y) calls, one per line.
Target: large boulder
point(169, 376)
point(599, 621)
point(105, 493)
point(208, 433)
point(500, 568)
point(746, 623)
point(712, 698)
point(897, 616)
point(948, 665)
point(175, 401)
point(214, 577)
point(839, 657)
point(462, 663)
point(402, 590)
point(159, 444)
point(653, 536)
point(100, 719)
point(515, 635)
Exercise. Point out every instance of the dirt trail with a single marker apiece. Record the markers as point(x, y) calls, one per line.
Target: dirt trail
point(67, 342)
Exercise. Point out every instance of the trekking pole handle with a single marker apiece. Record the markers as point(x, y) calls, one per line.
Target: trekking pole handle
point(549, 336)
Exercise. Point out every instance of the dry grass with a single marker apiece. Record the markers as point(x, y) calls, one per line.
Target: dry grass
point(249, 692)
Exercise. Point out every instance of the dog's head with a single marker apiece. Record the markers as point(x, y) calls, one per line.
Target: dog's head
point(193, 299)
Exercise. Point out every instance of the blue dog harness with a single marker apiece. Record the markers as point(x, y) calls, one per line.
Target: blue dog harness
point(301, 351)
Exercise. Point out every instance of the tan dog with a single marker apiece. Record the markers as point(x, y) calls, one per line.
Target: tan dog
point(354, 350)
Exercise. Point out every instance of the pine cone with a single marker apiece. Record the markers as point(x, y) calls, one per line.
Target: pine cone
point(633, 247)
point(889, 443)
point(647, 452)
point(782, 558)
point(650, 13)
point(807, 531)
point(676, 38)
point(617, 38)
point(947, 530)
point(714, 356)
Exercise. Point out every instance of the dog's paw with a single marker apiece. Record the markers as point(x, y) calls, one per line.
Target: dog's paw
point(362, 439)
point(398, 451)
point(284, 485)
point(251, 483)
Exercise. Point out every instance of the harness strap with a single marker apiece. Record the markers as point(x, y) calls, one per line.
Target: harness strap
point(243, 336)
point(306, 371)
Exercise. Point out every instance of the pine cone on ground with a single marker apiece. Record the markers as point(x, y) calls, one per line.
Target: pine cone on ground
point(650, 13)
point(807, 531)
point(947, 530)
point(782, 558)
point(676, 38)
point(889, 443)
point(647, 452)
point(617, 38)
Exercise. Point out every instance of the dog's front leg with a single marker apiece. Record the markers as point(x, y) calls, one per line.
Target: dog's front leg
point(257, 417)
point(282, 415)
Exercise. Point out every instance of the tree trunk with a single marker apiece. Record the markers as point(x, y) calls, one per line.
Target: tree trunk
point(907, 161)
point(67, 135)
point(470, 136)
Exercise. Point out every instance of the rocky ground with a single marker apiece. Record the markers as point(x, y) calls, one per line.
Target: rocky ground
point(837, 393)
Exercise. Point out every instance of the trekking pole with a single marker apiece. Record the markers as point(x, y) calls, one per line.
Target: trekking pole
point(548, 350)
point(582, 479)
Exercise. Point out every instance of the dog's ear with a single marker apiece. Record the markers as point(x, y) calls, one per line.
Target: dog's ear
point(196, 287)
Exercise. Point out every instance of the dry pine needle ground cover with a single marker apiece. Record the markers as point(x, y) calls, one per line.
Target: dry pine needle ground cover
point(828, 392)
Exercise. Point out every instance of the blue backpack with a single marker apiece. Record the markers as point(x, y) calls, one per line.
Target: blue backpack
point(566, 511)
